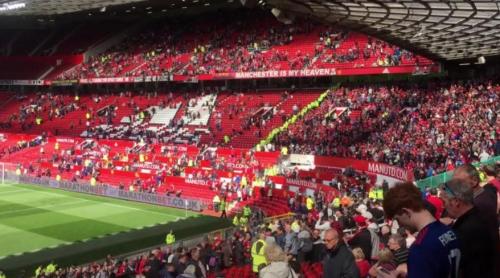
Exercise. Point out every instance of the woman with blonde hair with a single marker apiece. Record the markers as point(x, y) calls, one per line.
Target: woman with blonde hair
point(361, 262)
point(278, 266)
point(385, 263)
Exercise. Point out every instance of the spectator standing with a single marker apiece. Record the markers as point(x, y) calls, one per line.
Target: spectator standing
point(361, 262)
point(201, 270)
point(478, 252)
point(278, 266)
point(485, 198)
point(362, 238)
point(385, 262)
point(258, 247)
point(436, 250)
point(338, 261)
point(397, 244)
point(436, 202)
point(291, 241)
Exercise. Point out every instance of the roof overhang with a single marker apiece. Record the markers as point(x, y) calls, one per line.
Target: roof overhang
point(443, 30)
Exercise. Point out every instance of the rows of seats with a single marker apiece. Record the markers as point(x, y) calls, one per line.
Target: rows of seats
point(267, 45)
point(235, 272)
point(357, 122)
point(192, 118)
point(428, 121)
point(159, 48)
point(124, 172)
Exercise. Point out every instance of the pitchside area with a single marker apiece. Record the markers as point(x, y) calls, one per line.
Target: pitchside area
point(33, 218)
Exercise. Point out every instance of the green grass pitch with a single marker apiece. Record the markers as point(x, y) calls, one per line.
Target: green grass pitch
point(33, 217)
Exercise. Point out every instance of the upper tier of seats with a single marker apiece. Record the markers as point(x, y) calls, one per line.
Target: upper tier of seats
point(244, 43)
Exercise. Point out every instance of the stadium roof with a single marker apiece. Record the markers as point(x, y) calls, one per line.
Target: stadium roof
point(440, 29)
point(60, 7)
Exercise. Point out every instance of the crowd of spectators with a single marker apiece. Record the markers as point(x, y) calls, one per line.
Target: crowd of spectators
point(407, 234)
point(30, 111)
point(91, 157)
point(252, 42)
point(428, 129)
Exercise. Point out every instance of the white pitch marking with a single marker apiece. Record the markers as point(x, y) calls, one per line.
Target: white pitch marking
point(108, 204)
point(40, 207)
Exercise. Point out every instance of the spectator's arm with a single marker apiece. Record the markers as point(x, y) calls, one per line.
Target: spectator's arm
point(322, 227)
point(373, 270)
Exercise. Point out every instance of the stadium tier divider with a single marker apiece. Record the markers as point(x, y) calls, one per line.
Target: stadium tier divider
point(435, 181)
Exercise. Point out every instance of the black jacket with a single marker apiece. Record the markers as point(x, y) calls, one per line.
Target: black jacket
point(339, 263)
point(486, 205)
point(477, 250)
point(363, 240)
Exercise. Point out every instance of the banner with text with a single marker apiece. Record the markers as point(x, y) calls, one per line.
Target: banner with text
point(114, 192)
point(364, 166)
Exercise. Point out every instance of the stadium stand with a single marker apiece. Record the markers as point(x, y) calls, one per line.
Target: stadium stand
point(247, 117)
point(265, 46)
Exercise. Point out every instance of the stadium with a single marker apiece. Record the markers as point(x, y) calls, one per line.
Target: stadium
point(249, 138)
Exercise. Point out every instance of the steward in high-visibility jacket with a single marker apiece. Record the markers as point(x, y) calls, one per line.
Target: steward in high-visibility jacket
point(236, 221)
point(38, 271)
point(372, 195)
point(216, 201)
point(247, 211)
point(380, 194)
point(243, 221)
point(51, 268)
point(309, 203)
point(223, 207)
point(295, 225)
point(257, 252)
point(336, 202)
point(170, 238)
point(284, 151)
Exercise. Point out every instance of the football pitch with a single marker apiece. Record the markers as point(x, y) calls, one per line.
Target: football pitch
point(34, 218)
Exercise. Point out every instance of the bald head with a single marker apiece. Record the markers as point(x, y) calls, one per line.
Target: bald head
point(332, 233)
point(331, 238)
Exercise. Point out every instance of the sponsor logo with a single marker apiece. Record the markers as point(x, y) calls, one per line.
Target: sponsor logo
point(65, 140)
point(302, 183)
point(196, 181)
point(388, 170)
